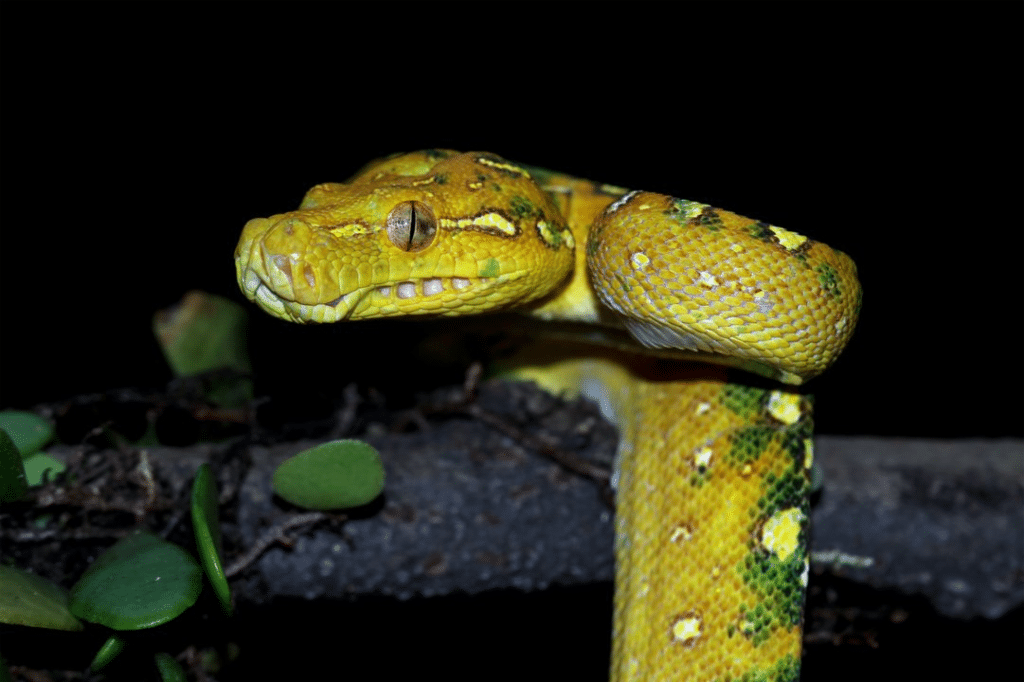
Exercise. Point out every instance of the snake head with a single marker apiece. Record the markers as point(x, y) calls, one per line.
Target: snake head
point(428, 233)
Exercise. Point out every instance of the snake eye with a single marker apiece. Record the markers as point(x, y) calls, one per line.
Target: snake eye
point(411, 226)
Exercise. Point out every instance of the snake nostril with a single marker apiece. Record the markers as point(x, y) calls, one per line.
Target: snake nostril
point(411, 226)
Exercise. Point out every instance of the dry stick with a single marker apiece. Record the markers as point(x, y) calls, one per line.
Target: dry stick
point(275, 534)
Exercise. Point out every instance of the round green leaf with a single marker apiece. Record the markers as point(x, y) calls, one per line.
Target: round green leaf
point(108, 652)
point(13, 482)
point(28, 430)
point(38, 463)
point(27, 599)
point(335, 475)
point(202, 332)
point(140, 582)
point(169, 669)
point(206, 526)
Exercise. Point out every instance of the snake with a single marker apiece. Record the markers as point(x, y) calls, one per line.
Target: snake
point(693, 328)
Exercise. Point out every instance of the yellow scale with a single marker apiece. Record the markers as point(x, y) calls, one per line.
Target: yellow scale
point(712, 469)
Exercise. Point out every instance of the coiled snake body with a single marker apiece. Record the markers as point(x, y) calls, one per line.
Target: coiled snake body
point(711, 518)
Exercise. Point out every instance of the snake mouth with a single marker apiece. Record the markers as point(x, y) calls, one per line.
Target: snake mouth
point(427, 296)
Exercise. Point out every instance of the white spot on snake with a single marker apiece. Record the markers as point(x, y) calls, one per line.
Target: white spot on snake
point(780, 533)
point(784, 406)
point(681, 533)
point(406, 290)
point(702, 458)
point(840, 326)
point(460, 282)
point(639, 260)
point(805, 572)
point(687, 629)
point(619, 203)
point(691, 209)
point(707, 279)
point(702, 408)
point(384, 291)
point(789, 240)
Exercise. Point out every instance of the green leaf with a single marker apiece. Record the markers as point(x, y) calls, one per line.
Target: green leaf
point(27, 599)
point(169, 669)
point(204, 332)
point(13, 482)
point(335, 475)
point(28, 430)
point(108, 652)
point(206, 526)
point(39, 463)
point(140, 582)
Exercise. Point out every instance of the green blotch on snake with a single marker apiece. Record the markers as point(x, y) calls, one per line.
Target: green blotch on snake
point(549, 234)
point(783, 492)
point(778, 583)
point(491, 268)
point(522, 207)
point(747, 444)
point(828, 279)
point(710, 219)
point(780, 588)
point(793, 437)
point(744, 401)
point(694, 213)
point(761, 230)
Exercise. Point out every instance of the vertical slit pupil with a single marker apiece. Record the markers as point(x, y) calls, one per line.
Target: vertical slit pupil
point(412, 226)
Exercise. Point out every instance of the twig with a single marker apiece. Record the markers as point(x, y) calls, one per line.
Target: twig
point(274, 534)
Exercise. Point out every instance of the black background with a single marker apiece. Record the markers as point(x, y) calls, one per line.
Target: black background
point(138, 139)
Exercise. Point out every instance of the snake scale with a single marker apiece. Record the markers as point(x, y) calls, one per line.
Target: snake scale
point(712, 470)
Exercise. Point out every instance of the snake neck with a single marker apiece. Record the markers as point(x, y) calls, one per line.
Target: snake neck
point(581, 203)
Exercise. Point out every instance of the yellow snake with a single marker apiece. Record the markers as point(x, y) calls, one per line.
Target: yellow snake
point(712, 492)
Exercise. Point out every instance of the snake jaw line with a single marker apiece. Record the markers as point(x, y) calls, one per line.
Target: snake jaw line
point(381, 300)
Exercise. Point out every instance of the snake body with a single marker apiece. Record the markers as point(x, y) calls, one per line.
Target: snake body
point(712, 501)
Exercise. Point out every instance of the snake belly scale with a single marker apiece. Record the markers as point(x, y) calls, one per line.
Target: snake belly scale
point(712, 469)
